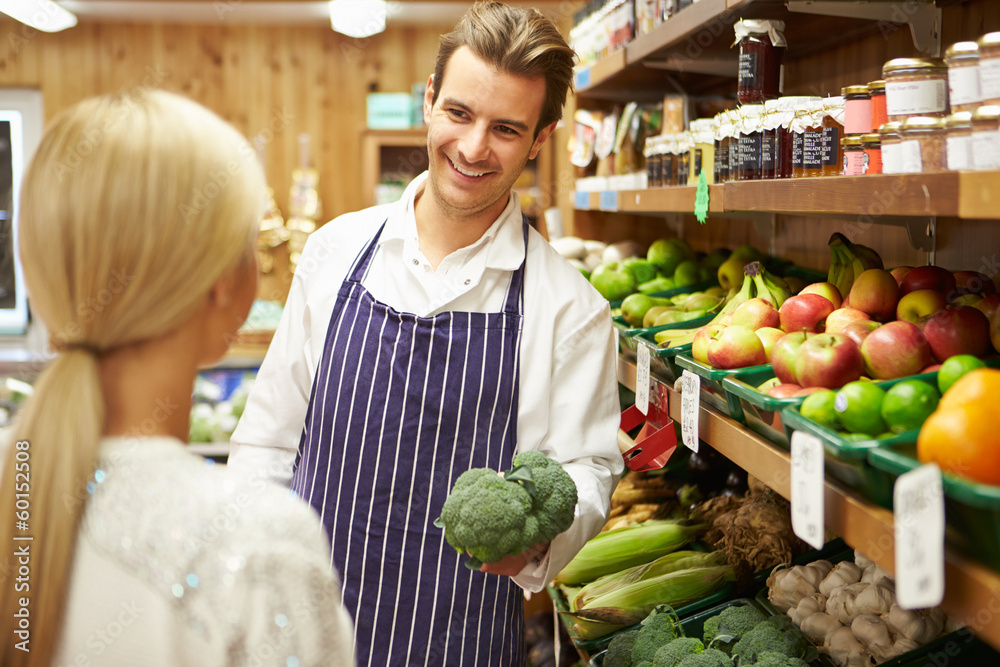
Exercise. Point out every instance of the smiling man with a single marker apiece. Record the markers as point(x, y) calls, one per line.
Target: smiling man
point(437, 334)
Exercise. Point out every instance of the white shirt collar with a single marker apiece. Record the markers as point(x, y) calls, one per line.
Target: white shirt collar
point(504, 239)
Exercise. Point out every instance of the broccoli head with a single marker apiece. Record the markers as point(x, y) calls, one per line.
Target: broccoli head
point(657, 630)
point(733, 621)
point(773, 637)
point(772, 659)
point(554, 497)
point(619, 652)
point(672, 654)
point(710, 657)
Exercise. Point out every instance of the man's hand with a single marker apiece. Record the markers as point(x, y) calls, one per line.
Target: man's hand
point(512, 565)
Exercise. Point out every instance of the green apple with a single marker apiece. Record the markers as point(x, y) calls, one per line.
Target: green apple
point(687, 273)
point(665, 255)
point(612, 281)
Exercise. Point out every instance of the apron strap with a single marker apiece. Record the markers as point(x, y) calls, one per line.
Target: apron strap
point(513, 303)
point(361, 263)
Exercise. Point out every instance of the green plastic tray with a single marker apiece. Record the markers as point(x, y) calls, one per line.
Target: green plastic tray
point(761, 412)
point(713, 393)
point(972, 509)
point(629, 346)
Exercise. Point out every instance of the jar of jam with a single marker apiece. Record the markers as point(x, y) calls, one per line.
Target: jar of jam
point(962, 59)
point(769, 158)
point(915, 87)
point(780, 113)
point(989, 68)
point(959, 148)
point(854, 155)
point(833, 130)
point(857, 110)
point(751, 141)
point(876, 90)
point(651, 151)
point(668, 161)
point(721, 126)
point(762, 48)
point(890, 137)
point(923, 145)
point(986, 138)
point(684, 145)
point(735, 123)
point(806, 122)
point(871, 144)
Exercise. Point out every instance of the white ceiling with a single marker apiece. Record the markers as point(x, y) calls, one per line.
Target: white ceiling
point(286, 13)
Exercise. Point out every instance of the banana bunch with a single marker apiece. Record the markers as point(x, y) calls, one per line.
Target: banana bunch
point(848, 261)
point(757, 282)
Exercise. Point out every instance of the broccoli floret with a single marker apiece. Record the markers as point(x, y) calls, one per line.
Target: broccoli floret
point(770, 637)
point(645, 663)
point(620, 650)
point(710, 657)
point(734, 621)
point(671, 654)
point(489, 517)
point(772, 659)
point(656, 631)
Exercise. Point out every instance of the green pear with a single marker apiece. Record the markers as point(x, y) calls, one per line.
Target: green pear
point(713, 260)
point(657, 284)
point(665, 255)
point(675, 316)
point(612, 282)
point(730, 274)
point(688, 273)
point(642, 270)
point(701, 302)
point(649, 319)
point(634, 307)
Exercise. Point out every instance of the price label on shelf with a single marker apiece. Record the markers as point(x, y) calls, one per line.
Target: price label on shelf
point(690, 400)
point(608, 200)
point(581, 199)
point(642, 380)
point(807, 489)
point(582, 78)
point(918, 522)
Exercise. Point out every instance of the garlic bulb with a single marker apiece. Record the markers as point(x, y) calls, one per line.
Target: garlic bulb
point(919, 625)
point(873, 632)
point(861, 560)
point(902, 645)
point(877, 599)
point(841, 604)
point(819, 626)
point(787, 586)
point(843, 574)
point(873, 573)
point(845, 649)
point(806, 607)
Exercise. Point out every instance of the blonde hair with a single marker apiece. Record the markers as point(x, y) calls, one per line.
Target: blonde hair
point(133, 206)
point(517, 41)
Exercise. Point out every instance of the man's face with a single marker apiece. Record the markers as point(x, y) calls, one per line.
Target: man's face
point(480, 134)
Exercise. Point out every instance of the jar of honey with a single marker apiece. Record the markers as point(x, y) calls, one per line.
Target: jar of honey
point(986, 138)
point(915, 87)
point(854, 155)
point(889, 135)
point(762, 48)
point(857, 109)
point(959, 148)
point(923, 145)
point(871, 144)
point(876, 90)
point(989, 68)
point(962, 59)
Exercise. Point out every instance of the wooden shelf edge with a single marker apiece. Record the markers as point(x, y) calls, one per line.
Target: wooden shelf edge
point(972, 591)
point(684, 23)
point(588, 78)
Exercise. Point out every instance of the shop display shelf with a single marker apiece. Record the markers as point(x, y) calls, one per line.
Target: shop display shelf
point(628, 338)
point(761, 412)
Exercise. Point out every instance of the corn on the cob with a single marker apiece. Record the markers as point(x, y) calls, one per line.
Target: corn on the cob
point(673, 588)
point(622, 548)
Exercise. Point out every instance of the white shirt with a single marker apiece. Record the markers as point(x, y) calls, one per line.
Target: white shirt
point(178, 562)
point(568, 393)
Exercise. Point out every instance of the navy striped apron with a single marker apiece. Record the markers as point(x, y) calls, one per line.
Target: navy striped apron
point(400, 406)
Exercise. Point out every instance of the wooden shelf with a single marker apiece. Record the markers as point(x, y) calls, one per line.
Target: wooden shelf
point(652, 200)
point(972, 591)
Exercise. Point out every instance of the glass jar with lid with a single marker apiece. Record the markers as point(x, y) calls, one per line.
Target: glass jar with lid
point(989, 68)
point(684, 145)
point(832, 154)
point(854, 155)
point(915, 87)
point(735, 123)
point(889, 135)
point(857, 109)
point(923, 145)
point(770, 122)
point(668, 161)
point(703, 149)
point(762, 48)
point(751, 141)
point(986, 137)
point(876, 90)
point(871, 144)
point(959, 143)
point(962, 59)
point(807, 131)
point(654, 159)
point(722, 127)
point(780, 113)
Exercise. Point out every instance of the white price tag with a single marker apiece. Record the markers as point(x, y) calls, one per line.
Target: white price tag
point(918, 520)
point(642, 380)
point(690, 401)
point(807, 489)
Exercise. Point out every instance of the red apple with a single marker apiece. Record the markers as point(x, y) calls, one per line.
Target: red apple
point(804, 312)
point(973, 282)
point(769, 336)
point(805, 391)
point(784, 390)
point(827, 290)
point(959, 330)
point(895, 350)
point(846, 303)
point(783, 355)
point(829, 361)
point(875, 292)
point(859, 330)
point(927, 277)
point(989, 305)
point(899, 272)
point(930, 369)
point(705, 335)
point(756, 313)
point(737, 347)
point(726, 320)
point(840, 318)
point(920, 303)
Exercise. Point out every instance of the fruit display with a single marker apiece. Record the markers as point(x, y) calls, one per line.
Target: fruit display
point(218, 402)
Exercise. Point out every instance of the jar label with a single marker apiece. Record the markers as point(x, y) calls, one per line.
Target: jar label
point(909, 158)
point(830, 146)
point(959, 153)
point(873, 160)
point(984, 150)
point(747, 74)
point(890, 158)
point(854, 163)
point(721, 162)
point(798, 145)
point(683, 169)
point(963, 85)
point(989, 78)
point(767, 153)
point(908, 98)
point(750, 146)
point(812, 150)
point(667, 170)
point(734, 158)
point(858, 116)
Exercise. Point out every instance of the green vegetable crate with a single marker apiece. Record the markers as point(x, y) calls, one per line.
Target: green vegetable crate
point(713, 393)
point(662, 360)
point(761, 412)
point(972, 509)
point(629, 346)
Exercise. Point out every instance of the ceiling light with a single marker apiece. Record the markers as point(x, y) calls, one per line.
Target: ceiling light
point(43, 15)
point(358, 18)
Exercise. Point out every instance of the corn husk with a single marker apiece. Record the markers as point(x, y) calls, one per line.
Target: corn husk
point(672, 588)
point(622, 548)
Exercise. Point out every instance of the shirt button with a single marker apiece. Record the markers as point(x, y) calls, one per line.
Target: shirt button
point(467, 281)
point(416, 262)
